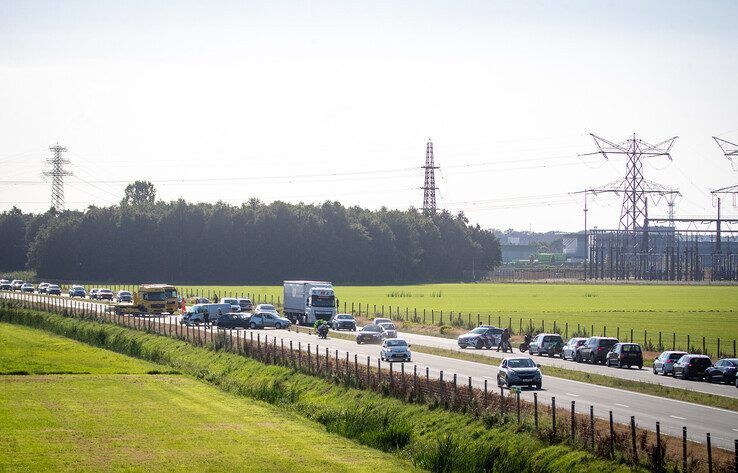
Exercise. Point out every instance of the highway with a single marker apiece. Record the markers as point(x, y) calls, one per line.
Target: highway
point(672, 415)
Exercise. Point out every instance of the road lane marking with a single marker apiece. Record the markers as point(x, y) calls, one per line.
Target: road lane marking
point(735, 430)
point(622, 405)
point(573, 395)
point(677, 417)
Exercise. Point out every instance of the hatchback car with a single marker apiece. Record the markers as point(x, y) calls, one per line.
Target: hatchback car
point(343, 322)
point(569, 351)
point(371, 333)
point(5, 285)
point(546, 344)
point(595, 349)
point(53, 290)
point(77, 291)
point(245, 304)
point(519, 371)
point(27, 287)
point(484, 336)
point(390, 331)
point(232, 320)
point(723, 371)
point(395, 349)
point(664, 364)
point(625, 354)
point(692, 366)
point(104, 294)
point(124, 296)
point(93, 293)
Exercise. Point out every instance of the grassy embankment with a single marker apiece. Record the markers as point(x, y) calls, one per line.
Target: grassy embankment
point(432, 438)
point(106, 413)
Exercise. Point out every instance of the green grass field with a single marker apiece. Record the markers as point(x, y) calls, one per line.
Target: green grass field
point(709, 311)
point(138, 422)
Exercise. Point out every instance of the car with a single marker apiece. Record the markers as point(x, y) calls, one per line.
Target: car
point(390, 331)
point(124, 296)
point(232, 320)
point(5, 285)
point(664, 364)
point(268, 319)
point(595, 349)
point(395, 349)
point(381, 320)
point(53, 290)
point(16, 284)
point(343, 322)
point(692, 366)
point(625, 354)
point(723, 371)
point(484, 336)
point(235, 306)
point(267, 308)
point(202, 300)
point(104, 294)
point(204, 313)
point(547, 344)
point(371, 333)
point(519, 371)
point(93, 293)
point(27, 287)
point(42, 288)
point(77, 291)
point(245, 304)
point(570, 348)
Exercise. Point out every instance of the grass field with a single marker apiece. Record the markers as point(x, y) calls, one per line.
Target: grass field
point(138, 422)
point(709, 311)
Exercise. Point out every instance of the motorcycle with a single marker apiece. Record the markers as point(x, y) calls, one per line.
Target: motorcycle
point(323, 331)
point(523, 347)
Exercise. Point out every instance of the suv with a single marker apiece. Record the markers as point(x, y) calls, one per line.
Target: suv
point(625, 354)
point(519, 371)
point(664, 364)
point(245, 305)
point(692, 366)
point(77, 291)
point(595, 349)
point(343, 321)
point(5, 285)
point(124, 296)
point(395, 349)
point(723, 371)
point(547, 344)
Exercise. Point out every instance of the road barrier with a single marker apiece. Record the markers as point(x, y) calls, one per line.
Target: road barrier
point(634, 446)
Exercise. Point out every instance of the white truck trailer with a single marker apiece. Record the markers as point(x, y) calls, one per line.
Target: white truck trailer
point(308, 301)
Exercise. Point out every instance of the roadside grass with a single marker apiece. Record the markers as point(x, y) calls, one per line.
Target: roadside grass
point(430, 437)
point(678, 394)
point(25, 350)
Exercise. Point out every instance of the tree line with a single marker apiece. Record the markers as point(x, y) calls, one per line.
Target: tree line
point(143, 240)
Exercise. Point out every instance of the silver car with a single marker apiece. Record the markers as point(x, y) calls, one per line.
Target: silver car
point(570, 349)
point(395, 349)
point(390, 331)
point(664, 364)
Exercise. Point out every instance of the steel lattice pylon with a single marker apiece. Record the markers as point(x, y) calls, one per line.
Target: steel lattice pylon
point(730, 150)
point(635, 188)
point(57, 174)
point(429, 186)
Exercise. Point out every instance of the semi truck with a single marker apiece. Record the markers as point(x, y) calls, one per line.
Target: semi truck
point(308, 301)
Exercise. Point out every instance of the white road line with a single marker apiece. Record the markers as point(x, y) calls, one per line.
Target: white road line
point(735, 430)
point(677, 417)
point(622, 405)
point(573, 395)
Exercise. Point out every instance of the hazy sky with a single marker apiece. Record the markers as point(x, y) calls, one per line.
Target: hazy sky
point(312, 101)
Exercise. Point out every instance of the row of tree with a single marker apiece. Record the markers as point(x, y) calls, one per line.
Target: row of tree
point(255, 243)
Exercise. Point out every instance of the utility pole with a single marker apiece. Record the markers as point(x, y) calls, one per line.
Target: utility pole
point(429, 186)
point(57, 174)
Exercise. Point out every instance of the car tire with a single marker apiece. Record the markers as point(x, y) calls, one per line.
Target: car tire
point(578, 358)
point(479, 345)
point(462, 347)
point(252, 326)
point(654, 370)
point(539, 386)
point(278, 326)
point(640, 367)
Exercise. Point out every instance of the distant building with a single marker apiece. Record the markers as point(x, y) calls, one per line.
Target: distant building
point(512, 253)
point(574, 245)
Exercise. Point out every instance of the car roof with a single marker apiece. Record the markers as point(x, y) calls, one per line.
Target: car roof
point(519, 358)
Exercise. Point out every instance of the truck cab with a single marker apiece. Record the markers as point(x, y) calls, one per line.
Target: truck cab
point(308, 301)
point(171, 300)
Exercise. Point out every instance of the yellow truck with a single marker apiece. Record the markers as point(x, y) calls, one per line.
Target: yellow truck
point(150, 299)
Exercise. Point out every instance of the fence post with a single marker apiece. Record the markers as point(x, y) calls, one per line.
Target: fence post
point(485, 394)
point(704, 351)
point(709, 453)
point(553, 415)
point(368, 373)
point(658, 446)
point(718, 348)
point(573, 420)
point(612, 437)
point(631, 335)
point(684, 449)
point(535, 409)
point(415, 381)
point(356, 369)
point(441, 387)
point(633, 438)
point(517, 401)
point(673, 340)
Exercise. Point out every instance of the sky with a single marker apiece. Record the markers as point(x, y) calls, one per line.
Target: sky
point(315, 100)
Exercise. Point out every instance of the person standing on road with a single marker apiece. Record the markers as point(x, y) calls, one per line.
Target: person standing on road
point(504, 341)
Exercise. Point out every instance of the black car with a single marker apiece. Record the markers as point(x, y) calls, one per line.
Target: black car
point(53, 290)
point(692, 366)
point(371, 333)
point(343, 322)
point(625, 354)
point(595, 349)
point(104, 294)
point(519, 371)
point(232, 320)
point(77, 291)
point(547, 344)
point(484, 336)
point(723, 371)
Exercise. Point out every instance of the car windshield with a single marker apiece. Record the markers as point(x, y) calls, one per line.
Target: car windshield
point(520, 363)
point(322, 301)
point(53, 286)
point(676, 356)
point(608, 342)
point(106, 291)
point(156, 296)
point(344, 317)
point(396, 342)
point(551, 338)
point(243, 302)
point(124, 293)
point(388, 326)
point(632, 348)
point(700, 361)
point(479, 330)
point(229, 301)
point(371, 328)
point(266, 307)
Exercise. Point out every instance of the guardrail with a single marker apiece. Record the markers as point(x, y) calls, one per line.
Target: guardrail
point(472, 396)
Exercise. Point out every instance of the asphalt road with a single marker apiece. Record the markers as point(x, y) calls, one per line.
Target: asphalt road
point(647, 409)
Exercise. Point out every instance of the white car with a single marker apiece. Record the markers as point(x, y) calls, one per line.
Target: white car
point(235, 306)
point(395, 349)
point(389, 329)
point(267, 308)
